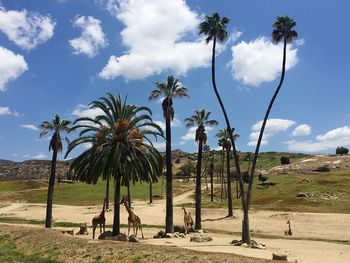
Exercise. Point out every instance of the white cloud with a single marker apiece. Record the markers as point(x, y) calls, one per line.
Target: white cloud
point(110, 5)
point(11, 66)
point(30, 127)
point(174, 123)
point(302, 130)
point(6, 111)
point(329, 141)
point(272, 128)
point(84, 111)
point(160, 146)
point(39, 156)
point(154, 37)
point(259, 61)
point(191, 134)
point(92, 37)
point(26, 29)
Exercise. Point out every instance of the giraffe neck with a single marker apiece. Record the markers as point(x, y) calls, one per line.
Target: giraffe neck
point(289, 227)
point(128, 208)
point(103, 208)
point(185, 211)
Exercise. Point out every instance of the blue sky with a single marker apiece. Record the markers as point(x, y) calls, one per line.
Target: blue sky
point(56, 56)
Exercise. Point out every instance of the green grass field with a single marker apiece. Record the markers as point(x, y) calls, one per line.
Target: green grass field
point(77, 193)
point(283, 195)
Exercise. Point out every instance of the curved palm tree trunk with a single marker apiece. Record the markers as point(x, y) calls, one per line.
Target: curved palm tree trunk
point(229, 191)
point(116, 219)
point(198, 223)
point(169, 225)
point(245, 231)
point(107, 193)
point(255, 158)
point(48, 222)
point(129, 194)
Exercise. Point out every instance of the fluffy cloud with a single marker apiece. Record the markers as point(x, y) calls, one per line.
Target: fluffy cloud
point(154, 37)
point(30, 127)
point(174, 123)
point(302, 130)
point(259, 61)
point(84, 111)
point(92, 37)
point(110, 5)
point(26, 29)
point(191, 134)
point(11, 66)
point(7, 111)
point(272, 128)
point(328, 141)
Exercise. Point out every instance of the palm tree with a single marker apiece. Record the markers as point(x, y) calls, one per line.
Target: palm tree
point(56, 126)
point(214, 28)
point(200, 119)
point(282, 31)
point(225, 142)
point(126, 153)
point(170, 89)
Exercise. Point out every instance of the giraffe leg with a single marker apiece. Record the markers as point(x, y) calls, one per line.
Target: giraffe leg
point(93, 231)
point(141, 231)
point(100, 228)
point(133, 226)
point(128, 228)
point(104, 227)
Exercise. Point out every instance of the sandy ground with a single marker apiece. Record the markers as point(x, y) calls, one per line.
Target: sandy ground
point(316, 237)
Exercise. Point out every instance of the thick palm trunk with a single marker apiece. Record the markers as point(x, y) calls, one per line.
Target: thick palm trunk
point(198, 222)
point(48, 222)
point(116, 219)
point(255, 158)
point(245, 232)
point(169, 225)
point(107, 193)
point(129, 194)
point(229, 191)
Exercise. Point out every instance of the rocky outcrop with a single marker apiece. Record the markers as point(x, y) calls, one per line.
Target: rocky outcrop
point(32, 169)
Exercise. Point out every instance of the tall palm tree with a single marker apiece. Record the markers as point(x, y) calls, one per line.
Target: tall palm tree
point(57, 126)
point(224, 137)
point(200, 119)
point(170, 89)
point(214, 28)
point(126, 154)
point(282, 31)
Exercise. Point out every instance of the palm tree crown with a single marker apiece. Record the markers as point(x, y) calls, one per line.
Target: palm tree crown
point(200, 119)
point(56, 126)
point(214, 27)
point(224, 138)
point(283, 29)
point(170, 89)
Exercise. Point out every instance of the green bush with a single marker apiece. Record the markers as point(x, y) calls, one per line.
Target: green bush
point(342, 150)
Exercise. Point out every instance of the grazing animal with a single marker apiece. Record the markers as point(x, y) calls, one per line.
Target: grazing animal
point(262, 178)
point(83, 230)
point(99, 220)
point(132, 219)
point(289, 231)
point(187, 220)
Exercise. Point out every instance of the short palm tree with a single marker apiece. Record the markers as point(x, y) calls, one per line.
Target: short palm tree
point(224, 140)
point(200, 119)
point(125, 153)
point(57, 126)
point(170, 89)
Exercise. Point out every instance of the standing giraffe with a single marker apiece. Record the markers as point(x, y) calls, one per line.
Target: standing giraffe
point(99, 220)
point(289, 231)
point(132, 219)
point(187, 220)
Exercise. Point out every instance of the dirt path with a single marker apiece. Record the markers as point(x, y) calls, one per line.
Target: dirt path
point(314, 237)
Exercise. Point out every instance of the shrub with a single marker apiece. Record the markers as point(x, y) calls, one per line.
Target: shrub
point(285, 160)
point(323, 169)
point(342, 150)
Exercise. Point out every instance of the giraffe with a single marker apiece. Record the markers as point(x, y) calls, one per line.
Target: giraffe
point(132, 219)
point(187, 220)
point(99, 220)
point(289, 231)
